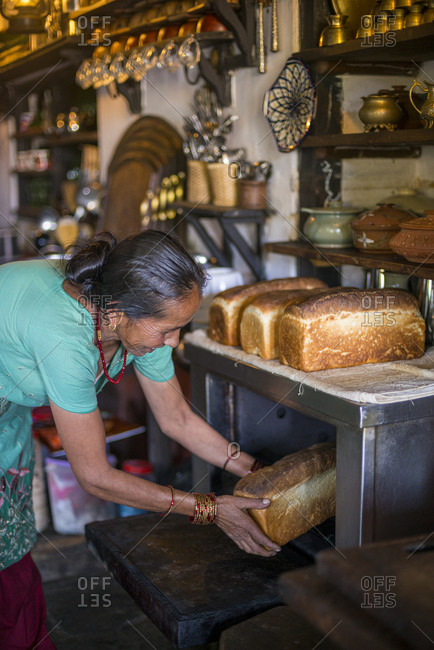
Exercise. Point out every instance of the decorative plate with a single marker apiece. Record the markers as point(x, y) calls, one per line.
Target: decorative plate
point(290, 105)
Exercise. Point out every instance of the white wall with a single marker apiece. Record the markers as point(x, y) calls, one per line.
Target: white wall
point(169, 96)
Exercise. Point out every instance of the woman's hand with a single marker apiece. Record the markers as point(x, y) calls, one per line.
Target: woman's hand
point(240, 527)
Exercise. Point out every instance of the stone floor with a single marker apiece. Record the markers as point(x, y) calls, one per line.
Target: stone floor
point(86, 608)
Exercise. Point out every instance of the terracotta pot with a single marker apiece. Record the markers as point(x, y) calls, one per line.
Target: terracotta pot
point(415, 241)
point(374, 228)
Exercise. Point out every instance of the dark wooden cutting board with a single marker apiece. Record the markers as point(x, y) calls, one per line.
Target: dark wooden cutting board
point(193, 582)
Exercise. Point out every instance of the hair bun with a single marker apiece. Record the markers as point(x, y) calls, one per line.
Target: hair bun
point(85, 266)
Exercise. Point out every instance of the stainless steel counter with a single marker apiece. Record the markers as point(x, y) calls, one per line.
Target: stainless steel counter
point(385, 452)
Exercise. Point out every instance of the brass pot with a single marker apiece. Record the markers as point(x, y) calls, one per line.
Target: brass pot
point(415, 17)
point(380, 112)
point(397, 21)
point(428, 16)
point(336, 31)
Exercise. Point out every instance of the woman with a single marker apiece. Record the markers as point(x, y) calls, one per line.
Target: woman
point(63, 335)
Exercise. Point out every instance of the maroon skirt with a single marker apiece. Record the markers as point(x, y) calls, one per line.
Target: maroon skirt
point(22, 608)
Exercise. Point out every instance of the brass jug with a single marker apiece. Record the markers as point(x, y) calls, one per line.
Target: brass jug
point(427, 109)
point(336, 31)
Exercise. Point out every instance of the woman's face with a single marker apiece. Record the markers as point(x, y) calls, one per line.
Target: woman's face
point(142, 336)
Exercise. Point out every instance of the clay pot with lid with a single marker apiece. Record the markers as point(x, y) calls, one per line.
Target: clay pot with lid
point(415, 241)
point(373, 229)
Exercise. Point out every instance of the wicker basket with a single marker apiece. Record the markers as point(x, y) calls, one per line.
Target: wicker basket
point(224, 189)
point(198, 184)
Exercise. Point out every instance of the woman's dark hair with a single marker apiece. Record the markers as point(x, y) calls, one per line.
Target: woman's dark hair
point(139, 275)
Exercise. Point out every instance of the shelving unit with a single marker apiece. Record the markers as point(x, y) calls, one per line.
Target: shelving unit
point(397, 53)
point(227, 218)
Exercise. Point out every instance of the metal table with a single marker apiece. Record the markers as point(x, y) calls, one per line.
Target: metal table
point(385, 452)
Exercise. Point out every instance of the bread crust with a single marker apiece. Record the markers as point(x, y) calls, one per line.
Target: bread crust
point(228, 306)
point(260, 323)
point(302, 490)
point(348, 327)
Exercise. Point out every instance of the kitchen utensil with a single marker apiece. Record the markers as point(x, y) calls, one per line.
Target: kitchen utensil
point(210, 23)
point(331, 226)
point(290, 105)
point(427, 110)
point(380, 112)
point(336, 31)
point(415, 15)
point(407, 198)
point(397, 20)
point(373, 229)
point(168, 59)
point(415, 241)
point(260, 42)
point(189, 52)
point(252, 194)
point(274, 29)
point(356, 10)
point(428, 16)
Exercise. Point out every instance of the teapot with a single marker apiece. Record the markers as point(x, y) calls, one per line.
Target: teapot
point(427, 109)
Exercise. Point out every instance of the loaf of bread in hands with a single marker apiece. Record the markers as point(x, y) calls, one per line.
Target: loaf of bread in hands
point(302, 490)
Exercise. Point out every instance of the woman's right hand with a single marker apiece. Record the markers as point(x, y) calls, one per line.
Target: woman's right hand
point(233, 519)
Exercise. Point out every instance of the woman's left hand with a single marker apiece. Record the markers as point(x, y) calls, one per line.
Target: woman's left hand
point(240, 527)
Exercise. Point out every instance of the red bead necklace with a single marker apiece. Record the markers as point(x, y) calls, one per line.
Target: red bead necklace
point(101, 354)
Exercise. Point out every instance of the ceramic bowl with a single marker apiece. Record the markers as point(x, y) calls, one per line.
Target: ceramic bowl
point(415, 241)
point(373, 229)
point(331, 226)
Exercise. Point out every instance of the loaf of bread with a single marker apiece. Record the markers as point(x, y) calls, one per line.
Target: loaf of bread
point(260, 322)
point(227, 307)
point(302, 490)
point(348, 327)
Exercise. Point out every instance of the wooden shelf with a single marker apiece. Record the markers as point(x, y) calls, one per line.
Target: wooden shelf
point(63, 139)
point(213, 211)
point(352, 256)
point(32, 172)
point(405, 137)
point(63, 52)
point(410, 43)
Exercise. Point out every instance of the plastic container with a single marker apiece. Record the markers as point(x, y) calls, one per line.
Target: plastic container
point(72, 507)
point(142, 469)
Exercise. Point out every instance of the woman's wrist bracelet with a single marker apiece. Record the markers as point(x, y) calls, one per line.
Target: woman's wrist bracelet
point(172, 503)
point(205, 509)
point(228, 459)
point(257, 464)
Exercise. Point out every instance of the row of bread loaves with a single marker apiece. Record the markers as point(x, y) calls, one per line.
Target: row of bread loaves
point(311, 327)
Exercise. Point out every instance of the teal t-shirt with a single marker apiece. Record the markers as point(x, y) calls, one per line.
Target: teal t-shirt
point(46, 351)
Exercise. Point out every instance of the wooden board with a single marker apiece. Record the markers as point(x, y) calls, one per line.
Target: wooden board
point(382, 594)
point(192, 582)
point(277, 629)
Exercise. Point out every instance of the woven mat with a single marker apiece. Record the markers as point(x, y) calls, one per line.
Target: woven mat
point(373, 383)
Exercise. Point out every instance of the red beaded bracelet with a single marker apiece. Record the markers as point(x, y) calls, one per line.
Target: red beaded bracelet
point(172, 503)
point(256, 465)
